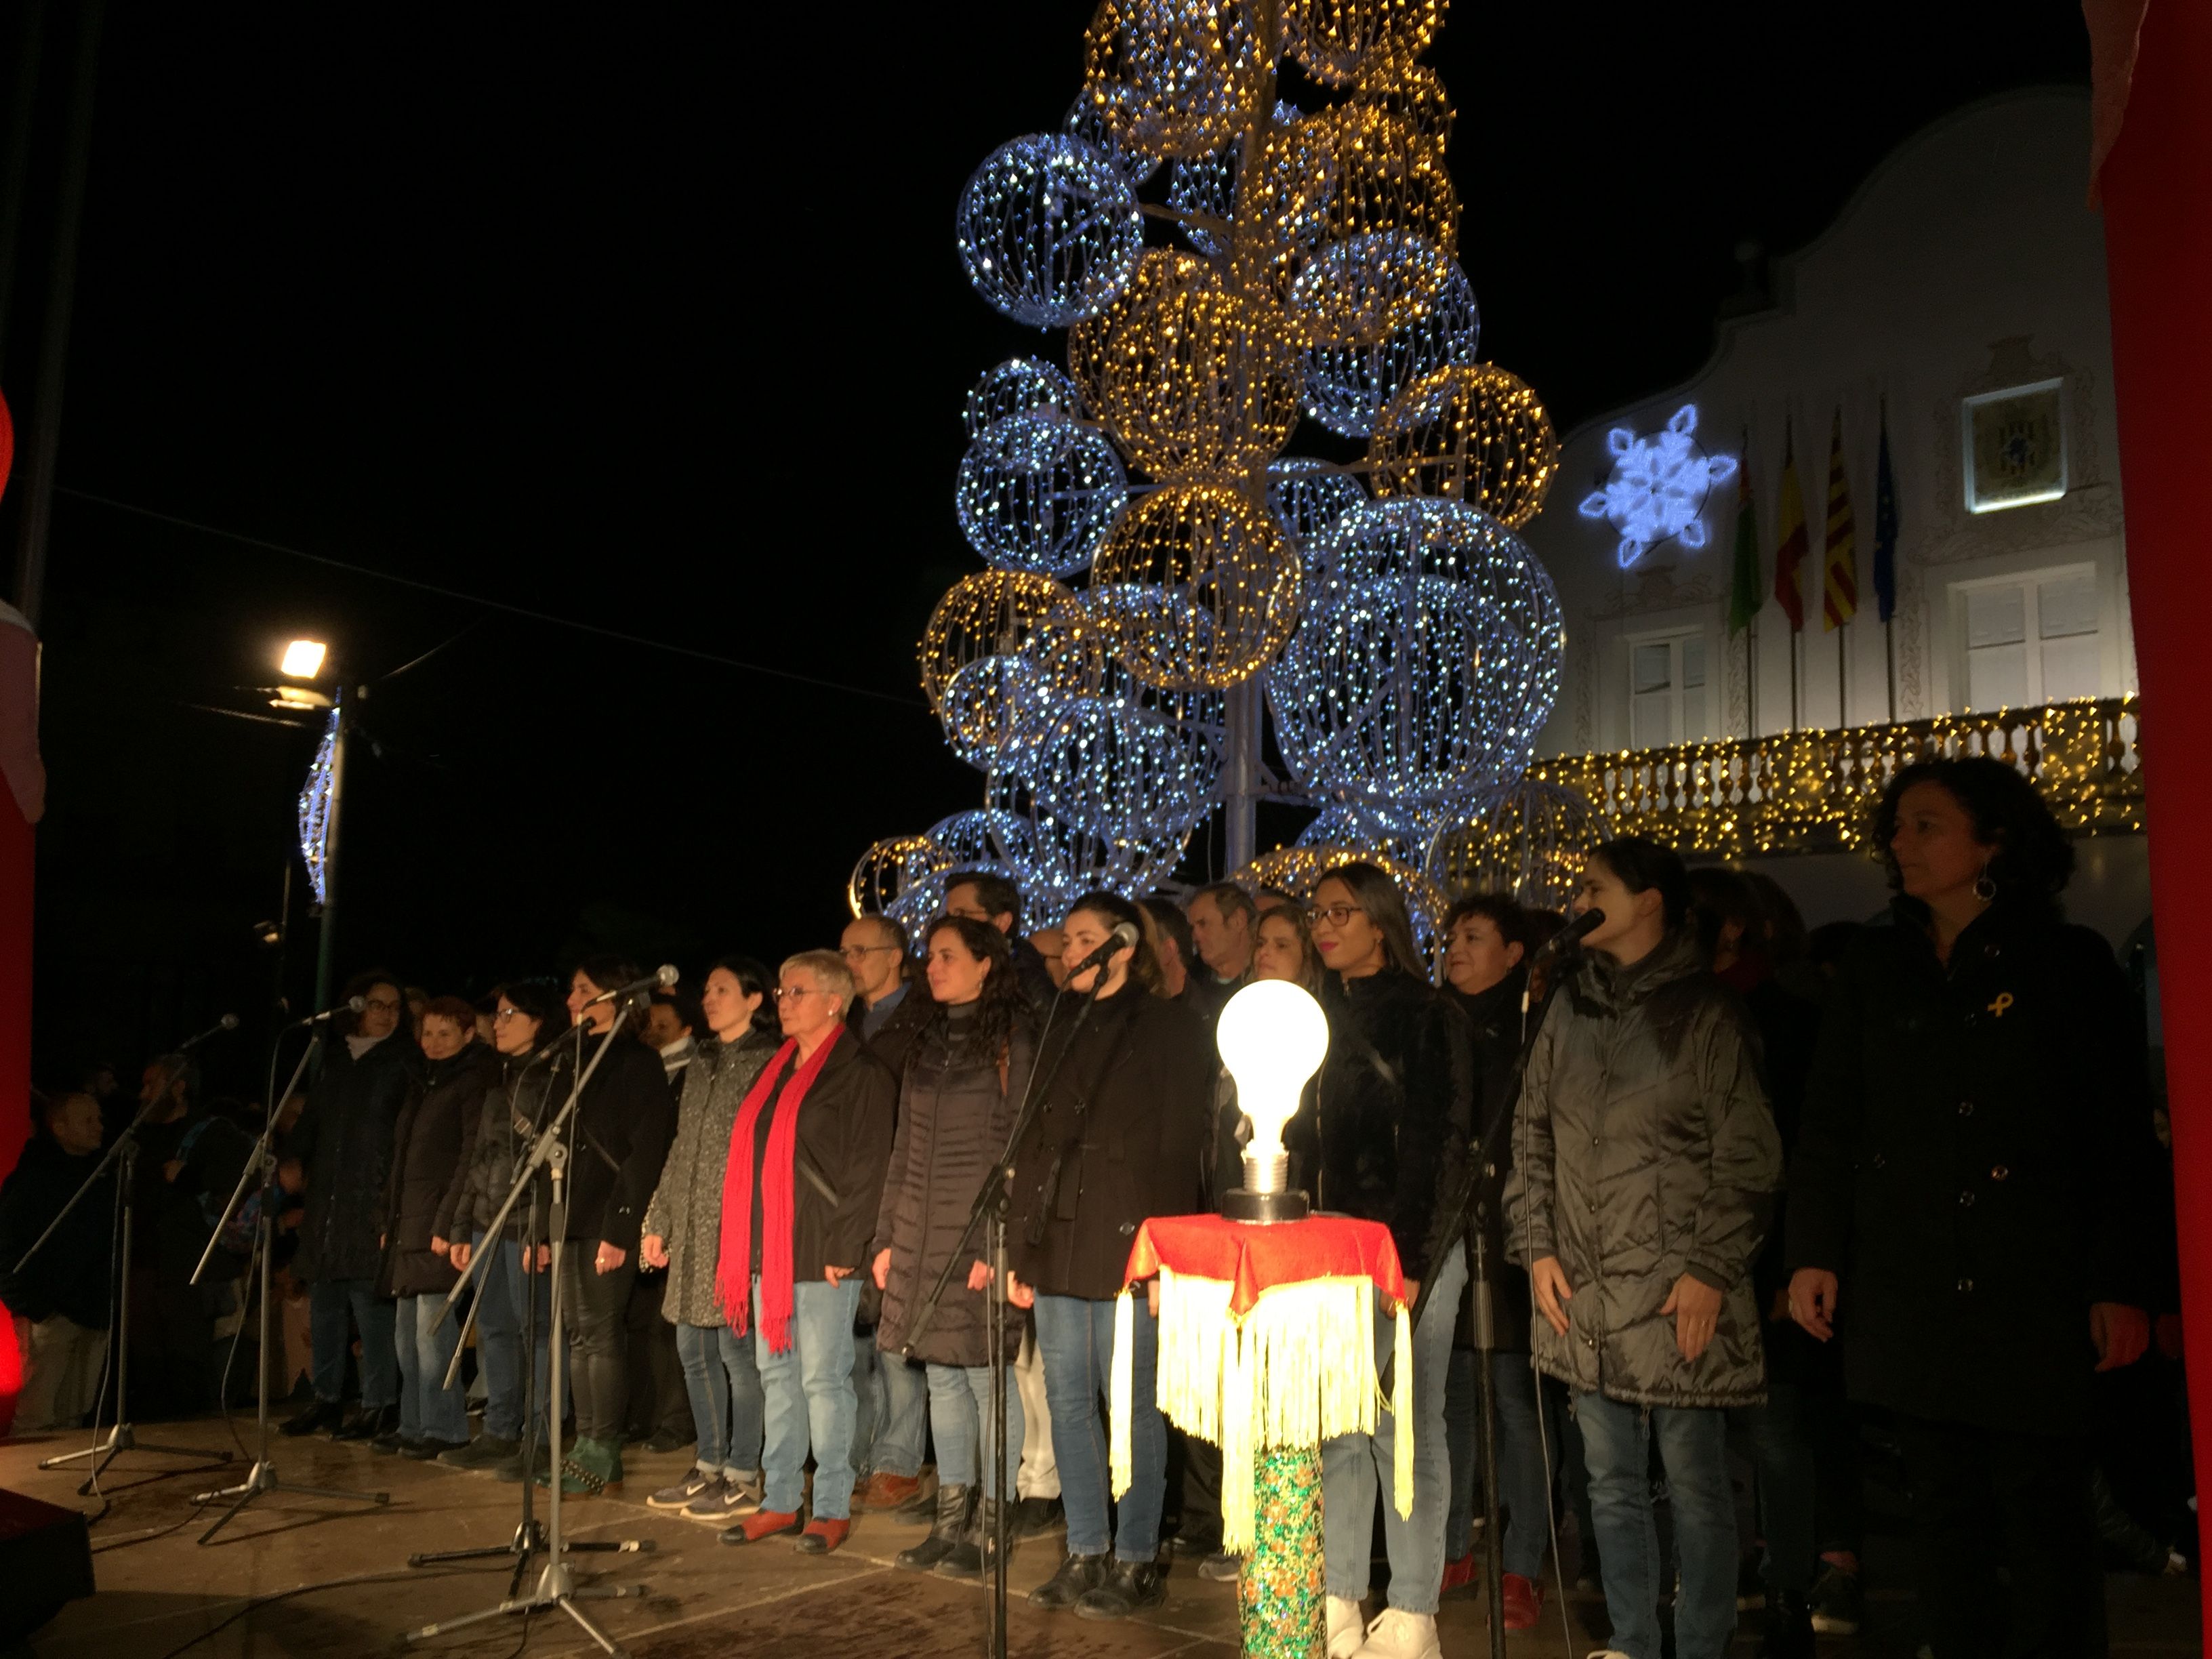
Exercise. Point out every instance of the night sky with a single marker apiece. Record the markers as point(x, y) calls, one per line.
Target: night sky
point(652, 321)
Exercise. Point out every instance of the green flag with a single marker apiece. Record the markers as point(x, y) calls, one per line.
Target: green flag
point(1747, 594)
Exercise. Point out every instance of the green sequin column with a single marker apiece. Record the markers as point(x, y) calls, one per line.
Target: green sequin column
point(1281, 1598)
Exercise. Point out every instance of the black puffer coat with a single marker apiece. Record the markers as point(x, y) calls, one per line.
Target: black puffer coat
point(1645, 1151)
point(1975, 1166)
point(516, 1103)
point(685, 1211)
point(434, 1138)
point(343, 1143)
point(955, 1110)
point(1116, 1141)
point(619, 1141)
point(1396, 1092)
point(1493, 1019)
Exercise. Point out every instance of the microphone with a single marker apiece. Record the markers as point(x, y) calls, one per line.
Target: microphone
point(1572, 934)
point(351, 1005)
point(228, 1022)
point(1123, 937)
point(659, 980)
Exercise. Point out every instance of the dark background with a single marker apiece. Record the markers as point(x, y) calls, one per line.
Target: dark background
point(653, 322)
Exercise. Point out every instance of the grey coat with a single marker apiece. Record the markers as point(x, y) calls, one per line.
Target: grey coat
point(685, 1211)
point(1643, 1150)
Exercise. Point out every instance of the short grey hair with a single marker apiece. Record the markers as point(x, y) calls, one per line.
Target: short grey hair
point(829, 972)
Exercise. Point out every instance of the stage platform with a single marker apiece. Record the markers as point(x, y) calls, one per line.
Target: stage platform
point(158, 1590)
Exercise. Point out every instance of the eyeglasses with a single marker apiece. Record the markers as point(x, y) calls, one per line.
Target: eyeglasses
point(387, 1005)
point(788, 993)
point(506, 1014)
point(864, 950)
point(1338, 914)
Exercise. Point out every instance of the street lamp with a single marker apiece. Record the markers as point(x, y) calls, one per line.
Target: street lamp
point(303, 659)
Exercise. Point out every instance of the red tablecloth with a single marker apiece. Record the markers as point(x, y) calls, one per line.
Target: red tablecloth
point(1253, 1258)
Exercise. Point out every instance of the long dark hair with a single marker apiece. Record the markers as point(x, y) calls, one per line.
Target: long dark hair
point(1001, 1000)
point(2034, 860)
point(1114, 910)
point(1642, 865)
point(1378, 896)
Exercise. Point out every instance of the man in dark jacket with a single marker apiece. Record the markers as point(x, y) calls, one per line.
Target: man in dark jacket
point(60, 1299)
point(989, 897)
point(342, 1148)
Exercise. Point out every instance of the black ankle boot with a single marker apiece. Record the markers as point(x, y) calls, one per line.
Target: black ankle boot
point(967, 1560)
point(1078, 1577)
point(1788, 1626)
point(954, 1505)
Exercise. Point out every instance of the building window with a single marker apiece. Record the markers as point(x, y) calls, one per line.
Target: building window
point(2015, 445)
point(2030, 640)
point(1666, 690)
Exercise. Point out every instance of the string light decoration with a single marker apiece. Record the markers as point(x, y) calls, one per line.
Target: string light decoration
point(1196, 588)
point(1048, 232)
point(1116, 769)
point(1656, 490)
point(1299, 869)
point(997, 638)
point(1476, 433)
point(1174, 77)
point(1086, 119)
point(1413, 92)
point(1161, 270)
point(315, 810)
point(1039, 492)
point(1199, 381)
point(1354, 823)
point(1309, 496)
point(1529, 839)
point(891, 869)
point(1020, 386)
point(1348, 387)
point(1203, 188)
point(1336, 41)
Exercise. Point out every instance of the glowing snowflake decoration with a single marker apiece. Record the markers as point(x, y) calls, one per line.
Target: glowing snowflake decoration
point(1658, 488)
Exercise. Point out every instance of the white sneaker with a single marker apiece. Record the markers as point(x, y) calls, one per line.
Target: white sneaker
point(1397, 1634)
point(1346, 1627)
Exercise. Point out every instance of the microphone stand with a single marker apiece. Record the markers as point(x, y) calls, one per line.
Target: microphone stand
point(557, 1586)
point(529, 1538)
point(122, 1158)
point(991, 1210)
point(263, 1477)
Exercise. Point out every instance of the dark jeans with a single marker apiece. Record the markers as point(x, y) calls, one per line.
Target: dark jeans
point(1982, 1501)
point(659, 1398)
point(595, 1311)
point(1785, 1480)
point(505, 1294)
point(336, 1307)
point(1693, 1442)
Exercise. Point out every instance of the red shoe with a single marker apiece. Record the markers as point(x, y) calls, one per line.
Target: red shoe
point(1457, 1573)
point(888, 1491)
point(761, 1523)
point(1524, 1602)
point(821, 1536)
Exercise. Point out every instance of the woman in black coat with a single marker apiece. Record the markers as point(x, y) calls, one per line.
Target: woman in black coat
point(964, 1071)
point(1969, 1198)
point(1116, 1141)
point(435, 1137)
point(1397, 1090)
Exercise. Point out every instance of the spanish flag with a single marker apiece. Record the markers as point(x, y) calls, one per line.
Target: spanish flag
point(1789, 552)
point(1839, 599)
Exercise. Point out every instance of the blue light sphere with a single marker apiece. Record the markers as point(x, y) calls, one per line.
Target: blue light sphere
point(1049, 232)
point(1115, 767)
point(1092, 119)
point(1310, 497)
point(1040, 492)
point(1020, 386)
point(1347, 384)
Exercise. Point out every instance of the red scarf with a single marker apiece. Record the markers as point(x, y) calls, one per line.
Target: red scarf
point(733, 1269)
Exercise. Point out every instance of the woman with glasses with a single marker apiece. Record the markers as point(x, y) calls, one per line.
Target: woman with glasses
point(968, 1069)
point(509, 1296)
point(1396, 1097)
point(683, 1233)
point(1116, 1140)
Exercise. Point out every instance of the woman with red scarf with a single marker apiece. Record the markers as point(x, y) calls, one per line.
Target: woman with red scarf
point(806, 1163)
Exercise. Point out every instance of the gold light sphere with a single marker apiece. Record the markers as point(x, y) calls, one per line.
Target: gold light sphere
point(1414, 92)
point(996, 637)
point(1527, 840)
point(1162, 270)
point(1473, 433)
point(1198, 380)
point(1174, 79)
point(890, 869)
point(1334, 40)
point(1196, 588)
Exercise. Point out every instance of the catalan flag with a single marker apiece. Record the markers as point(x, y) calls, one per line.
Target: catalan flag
point(1839, 587)
point(1884, 529)
point(1789, 552)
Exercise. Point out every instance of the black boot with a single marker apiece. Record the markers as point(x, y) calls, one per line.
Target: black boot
point(954, 1505)
point(1788, 1626)
point(367, 1423)
point(1130, 1586)
point(1078, 1577)
point(320, 1418)
point(967, 1560)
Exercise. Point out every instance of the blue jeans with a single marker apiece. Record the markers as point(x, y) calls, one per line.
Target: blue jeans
point(426, 1336)
point(1356, 1468)
point(894, 1399)
point(960, 1418)
point(725, 1385)
point(503, 1291)
point(807, 1391)
point(1523, 1476)
point(1075, 1341)
point(1693, 1447)
point(335, 1307)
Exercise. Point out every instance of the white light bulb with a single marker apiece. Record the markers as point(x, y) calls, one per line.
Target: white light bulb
point(303, 659)
point(1272, 1036)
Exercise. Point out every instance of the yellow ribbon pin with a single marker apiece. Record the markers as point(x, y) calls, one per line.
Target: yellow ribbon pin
point(2003, 1001)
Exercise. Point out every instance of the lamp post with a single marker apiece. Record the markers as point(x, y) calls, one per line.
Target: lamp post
point(319, 801)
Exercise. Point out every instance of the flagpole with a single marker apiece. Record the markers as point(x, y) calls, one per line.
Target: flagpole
point(1796, 650)
point(1889, 655)
point(1842, 698)
point(1751, 672)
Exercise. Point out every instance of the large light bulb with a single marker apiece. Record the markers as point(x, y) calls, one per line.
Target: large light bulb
point(1272, 1036)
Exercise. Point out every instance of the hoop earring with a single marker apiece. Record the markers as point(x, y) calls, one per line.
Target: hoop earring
point(1984, 889)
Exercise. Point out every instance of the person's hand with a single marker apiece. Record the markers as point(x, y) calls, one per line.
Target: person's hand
point(381, 1238)
point(2122, 1333)
point(1021, 1295)
point(653, 1250)
point(607, 1259)
point(536, 1261)
point(1411, 1294)
point(881, 1270)
point(1152, 1297)
point(440, 1247)
point(1696, 1306)
point(838, 1275)
point(1549, 1279)
point(463, 1253)
point(289, 1176)
point(979, 1276)
point(1812, 1301)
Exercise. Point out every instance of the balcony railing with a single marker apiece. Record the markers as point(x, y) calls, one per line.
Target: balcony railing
point(1815, 791)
